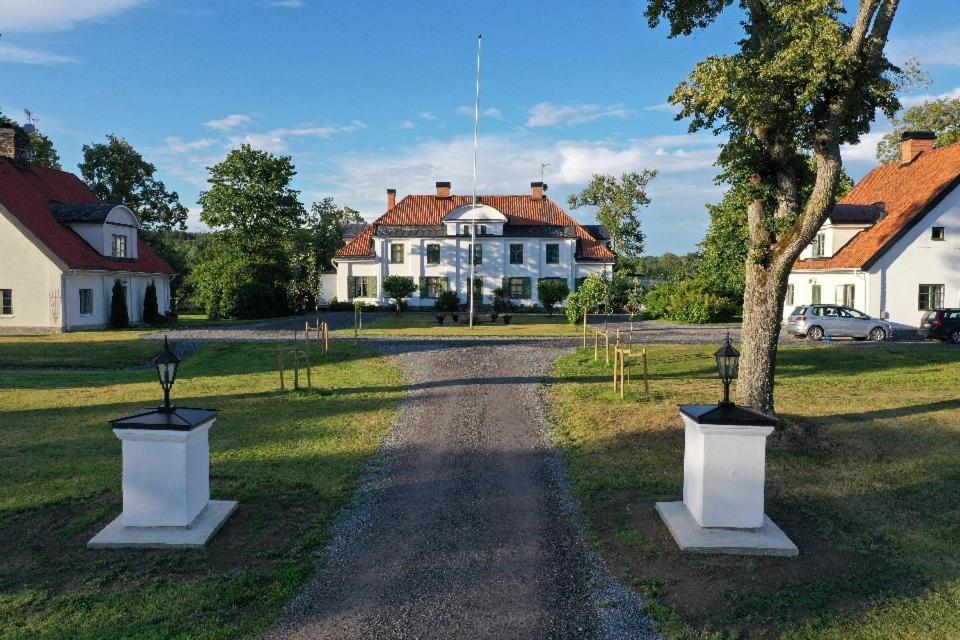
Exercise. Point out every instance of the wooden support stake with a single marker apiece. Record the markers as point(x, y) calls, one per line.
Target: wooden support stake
point(326, 338)
point(596, 345)
point(280, 364)
point(622, 365)
point(646, 383)
point(584, 328)
point(306, 353)
point(606, 348)
point(296, 368)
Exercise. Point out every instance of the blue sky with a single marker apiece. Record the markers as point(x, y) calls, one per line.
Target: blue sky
point(370, 95)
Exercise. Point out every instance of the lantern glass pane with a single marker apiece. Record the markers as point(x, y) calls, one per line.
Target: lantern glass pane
point(167, 372)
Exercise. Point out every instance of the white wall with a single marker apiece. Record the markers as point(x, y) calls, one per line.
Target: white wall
point(804, 281)
point(120, 221)
point(34, 279)
point(835, 236)
point(455, 266)
point(102, 286)
point(915, 259)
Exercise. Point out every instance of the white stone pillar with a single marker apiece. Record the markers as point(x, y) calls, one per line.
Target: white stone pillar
point(724, 468)
point(166, 482)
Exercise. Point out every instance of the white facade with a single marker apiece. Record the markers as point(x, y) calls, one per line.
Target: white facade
point(890, 287)
point(454, 266)
point(39, 293)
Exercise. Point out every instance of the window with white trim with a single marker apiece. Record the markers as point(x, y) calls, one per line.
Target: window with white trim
point(553, 254)
point(119, 246)
point(86, 302)
point(6, 302)
point(819, 245)
point(930, 297)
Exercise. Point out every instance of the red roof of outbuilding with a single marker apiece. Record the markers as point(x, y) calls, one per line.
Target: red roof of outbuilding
point(428, 210)
point(27, 192)
point(906, 192)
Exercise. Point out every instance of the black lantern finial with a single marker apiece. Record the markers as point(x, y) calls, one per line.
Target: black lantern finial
point(166, 363)
point(728, 365)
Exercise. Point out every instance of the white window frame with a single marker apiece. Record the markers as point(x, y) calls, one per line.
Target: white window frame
point(934, 297)
point(546, 253)
point(5, 296)
point(80, 293)
point(119, 246)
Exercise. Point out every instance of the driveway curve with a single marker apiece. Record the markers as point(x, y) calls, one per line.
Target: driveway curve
point(464, 526)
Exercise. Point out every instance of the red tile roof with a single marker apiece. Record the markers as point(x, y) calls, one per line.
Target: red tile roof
point(906, 192)
point(519, 210)
point(28, 192)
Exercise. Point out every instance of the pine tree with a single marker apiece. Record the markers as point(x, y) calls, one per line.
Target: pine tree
point(151, 310)
point(119, 318)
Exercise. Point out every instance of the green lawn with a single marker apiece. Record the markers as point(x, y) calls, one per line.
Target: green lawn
point(94, 349)
point(865, 479)
point(421, 323)
point(290, 458)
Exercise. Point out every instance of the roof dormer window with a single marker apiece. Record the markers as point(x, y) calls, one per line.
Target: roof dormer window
point(119, 246)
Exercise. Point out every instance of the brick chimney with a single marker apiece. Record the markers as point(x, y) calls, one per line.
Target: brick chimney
point(8, 144)
point(538, 190)
point(443, 189)
point(913, 143)
point(391, 198)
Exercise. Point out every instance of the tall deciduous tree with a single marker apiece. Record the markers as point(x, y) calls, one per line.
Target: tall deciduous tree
point(117, 173)
point(618, 203)
point(246, 268)
point(940, 116)
point(803, 82)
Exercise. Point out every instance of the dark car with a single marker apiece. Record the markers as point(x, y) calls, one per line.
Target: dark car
point(818, 321)
point(941, 324)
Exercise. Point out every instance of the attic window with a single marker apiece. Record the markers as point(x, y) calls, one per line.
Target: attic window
point(937, 234)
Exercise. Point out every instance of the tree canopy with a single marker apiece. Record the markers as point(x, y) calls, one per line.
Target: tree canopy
point(940, 116)
point(618, 202)
point(801, 82)
point(250, 195)
point(117, 173)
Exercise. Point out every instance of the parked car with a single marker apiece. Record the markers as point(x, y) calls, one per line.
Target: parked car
point(817, 321)
point(941, 324)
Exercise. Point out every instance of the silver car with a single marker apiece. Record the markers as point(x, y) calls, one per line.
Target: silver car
point(818, 321)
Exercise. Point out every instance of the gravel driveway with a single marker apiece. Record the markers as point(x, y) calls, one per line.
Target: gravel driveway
point(464, 526)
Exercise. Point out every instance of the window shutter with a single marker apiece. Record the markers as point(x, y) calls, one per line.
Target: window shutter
point(505, 287)
point(423, 287)
point(372, 286)
point(526, 288)
point(351, 286)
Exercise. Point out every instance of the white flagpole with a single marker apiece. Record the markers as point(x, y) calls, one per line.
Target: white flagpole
point(473, 223)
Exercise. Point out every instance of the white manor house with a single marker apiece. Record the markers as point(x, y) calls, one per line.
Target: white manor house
point(521, 239)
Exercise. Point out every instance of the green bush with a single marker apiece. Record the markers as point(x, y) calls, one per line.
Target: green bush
point(447, 301)
point(552, 293)
point(688, 302)
point(151, 310)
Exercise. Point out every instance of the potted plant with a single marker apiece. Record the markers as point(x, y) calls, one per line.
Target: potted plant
point(506, 318)
point(456, 316)
point(439, 318)
point(494, 315)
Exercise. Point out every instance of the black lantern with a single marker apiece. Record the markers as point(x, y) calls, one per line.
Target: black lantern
point(728, 364)
point(166, 363)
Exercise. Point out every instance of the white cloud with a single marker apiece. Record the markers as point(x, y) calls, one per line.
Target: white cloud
point(229, 122)
point(912, 101)
point(55, 15)
point(664, 107)
point(287, 4)
point(546, 114)
point(426, 115)
point(408, 124)
point(863, 155)
point(174, 144)
point(489, 112)
point(24, 55)
point(278, 140)
point(932, 49)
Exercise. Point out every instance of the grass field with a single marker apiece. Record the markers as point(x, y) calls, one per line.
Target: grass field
point(865, 478)
point(422, 323)
point(290, 458)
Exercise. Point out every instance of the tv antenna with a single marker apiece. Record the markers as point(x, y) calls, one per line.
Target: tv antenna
point(543, 165)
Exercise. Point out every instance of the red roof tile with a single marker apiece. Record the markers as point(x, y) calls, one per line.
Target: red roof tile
point(430, 210)
point(907, 192)
point(27, 193)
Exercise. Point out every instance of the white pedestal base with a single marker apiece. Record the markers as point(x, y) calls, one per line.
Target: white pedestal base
point(195, 535)
point(768, 540)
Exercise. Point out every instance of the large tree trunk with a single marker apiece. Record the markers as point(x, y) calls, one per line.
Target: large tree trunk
point(768, 267)
point(762, 314)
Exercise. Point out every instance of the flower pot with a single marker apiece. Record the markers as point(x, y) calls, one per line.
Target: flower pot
point(506, 318)
point(456, 317)
point(439, 318)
